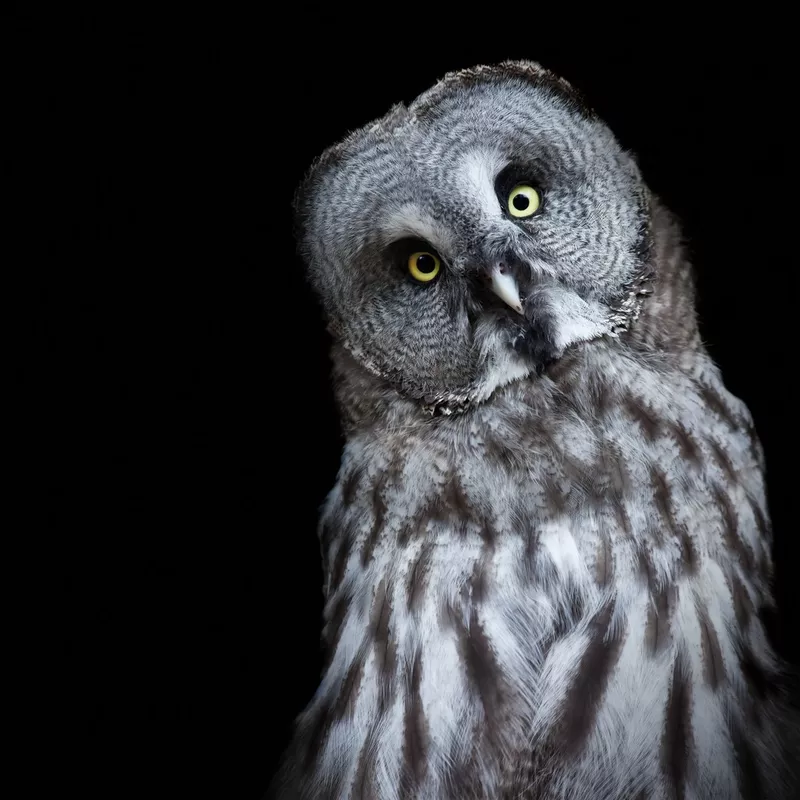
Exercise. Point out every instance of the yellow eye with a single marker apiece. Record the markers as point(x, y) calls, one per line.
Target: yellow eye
point(523, 201)
point(424, 266)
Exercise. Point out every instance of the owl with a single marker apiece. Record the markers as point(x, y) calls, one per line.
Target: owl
point(547, 548)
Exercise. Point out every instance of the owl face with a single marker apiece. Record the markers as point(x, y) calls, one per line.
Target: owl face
point(471, 238)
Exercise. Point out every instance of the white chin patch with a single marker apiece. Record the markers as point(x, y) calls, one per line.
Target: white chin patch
point(501, 372)
point(569, 318)
point(579, 330)
point(575, 319)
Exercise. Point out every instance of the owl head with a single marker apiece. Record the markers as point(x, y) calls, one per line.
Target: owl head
point(470, 238)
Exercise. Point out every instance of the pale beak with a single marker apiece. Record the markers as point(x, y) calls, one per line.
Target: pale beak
point(505, 287)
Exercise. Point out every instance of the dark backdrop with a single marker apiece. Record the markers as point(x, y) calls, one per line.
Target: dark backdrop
point(185, 363)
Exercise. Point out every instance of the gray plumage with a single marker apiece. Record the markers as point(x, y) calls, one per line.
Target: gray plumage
point(548, 544)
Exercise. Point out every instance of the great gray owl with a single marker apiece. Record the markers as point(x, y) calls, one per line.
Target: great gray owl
point(548, 543)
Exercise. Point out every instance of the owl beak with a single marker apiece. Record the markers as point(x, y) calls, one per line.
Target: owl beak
point(505, 287)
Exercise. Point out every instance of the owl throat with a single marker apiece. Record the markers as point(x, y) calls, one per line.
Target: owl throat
point(622, 314)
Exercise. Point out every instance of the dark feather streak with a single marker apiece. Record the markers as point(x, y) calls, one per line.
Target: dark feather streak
point(591, 681)
point(415, 728)
point(713, 664)
point(347, 697)
point(724, 462)
point(717, 405)
point(658, 633)
point(689, 557)
point(676, 741)
point(604, 564)
point(481, 667)
point(648, 421)
point(742, 604)
point(687, 446)
point(662, 496)
point(730, 529)
point(750, 782)
point(385, 646)
point(335, 615)
point(379, 514)
point(417, 578)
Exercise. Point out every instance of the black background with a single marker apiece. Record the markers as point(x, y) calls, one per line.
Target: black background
point(184, 363)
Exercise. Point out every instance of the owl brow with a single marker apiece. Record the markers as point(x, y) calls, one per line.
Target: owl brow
point(410, 222)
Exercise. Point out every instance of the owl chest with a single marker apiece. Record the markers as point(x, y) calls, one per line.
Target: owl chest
point(576, 506)
point(468, 587)
point(568, 505)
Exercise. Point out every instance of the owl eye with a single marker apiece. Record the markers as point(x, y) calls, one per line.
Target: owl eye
point(523, 201)
point(424, 266)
